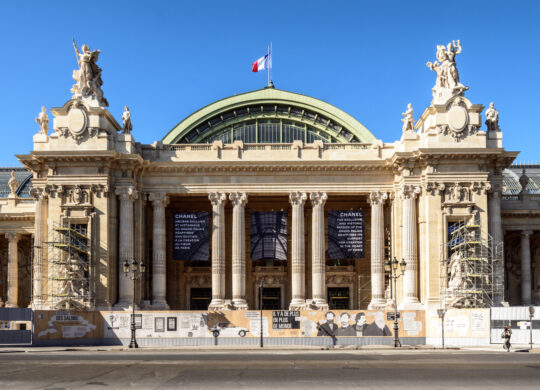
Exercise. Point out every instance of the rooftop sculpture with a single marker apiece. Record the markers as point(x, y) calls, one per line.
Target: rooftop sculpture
point(447, 84)
point(88, 76)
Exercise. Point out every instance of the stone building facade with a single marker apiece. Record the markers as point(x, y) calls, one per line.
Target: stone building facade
point(90, 198)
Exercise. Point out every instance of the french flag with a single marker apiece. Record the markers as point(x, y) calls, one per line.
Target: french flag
point(262, 63)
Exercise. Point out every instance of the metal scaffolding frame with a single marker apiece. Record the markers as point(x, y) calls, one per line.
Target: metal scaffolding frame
point(69, 278)
point(469, 263)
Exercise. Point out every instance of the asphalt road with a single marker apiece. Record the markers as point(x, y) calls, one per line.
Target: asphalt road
point(270, 370)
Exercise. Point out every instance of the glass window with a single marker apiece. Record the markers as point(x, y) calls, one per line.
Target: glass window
point(293, 132)
point(269, 235)
point(245, 132)
point(269, 132)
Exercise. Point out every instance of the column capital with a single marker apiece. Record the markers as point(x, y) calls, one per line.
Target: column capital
point(297, 198)
point(409, 191)
point(377, 197)
point(526, 233)
point(39, 193)
point(158, 198)
point(13, 237)
point(127, 193)
point(217, 198)
point(238, 198)
point(318, 198)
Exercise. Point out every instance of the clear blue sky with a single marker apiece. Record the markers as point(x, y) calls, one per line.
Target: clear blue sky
point(166, 59)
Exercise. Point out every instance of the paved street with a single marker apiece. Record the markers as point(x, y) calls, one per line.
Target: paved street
point(269, 369)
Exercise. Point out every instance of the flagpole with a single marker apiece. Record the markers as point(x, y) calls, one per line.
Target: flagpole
point(271, 63)
point(268, 70)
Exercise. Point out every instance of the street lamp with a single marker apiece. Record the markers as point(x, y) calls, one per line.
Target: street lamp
point(134, 271)
point(391, 269)
point(531, 315)
point(261, 309)
point(441, 313)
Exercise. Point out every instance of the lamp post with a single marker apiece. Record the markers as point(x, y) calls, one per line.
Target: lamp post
point(261, 310)
point(531, 315)
point(391, 269)
point(441, 313)
point(134, 271)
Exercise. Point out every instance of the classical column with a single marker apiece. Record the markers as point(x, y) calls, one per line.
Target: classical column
point(159, 251)
point(40, 197)
point(239, 201)
point(526, 267)
point(298, 302)
point(495, 230)
point(377, 199)
point(318, 263)
point(218, 249)
point(13, 270)
point(408, 194)
point(126, 194)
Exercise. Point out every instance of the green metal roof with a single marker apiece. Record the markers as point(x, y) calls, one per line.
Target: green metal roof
point(269, 103)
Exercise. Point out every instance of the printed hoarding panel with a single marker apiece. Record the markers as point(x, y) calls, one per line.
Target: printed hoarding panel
point(191, 236)
point(345, 234)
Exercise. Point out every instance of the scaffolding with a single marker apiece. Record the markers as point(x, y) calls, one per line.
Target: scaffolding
point(69, 276)
point(469, 266)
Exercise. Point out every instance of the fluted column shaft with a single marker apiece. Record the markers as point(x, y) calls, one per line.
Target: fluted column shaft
point(318, 263)
point(159, 254)
point(377, 199)
point(13, 270)
point(39, 229)
point(496, 232)
point(127, 195)
point(526, 267)
point(239, 201)
point(410, 280)
point(298, 261)
point(218, 249)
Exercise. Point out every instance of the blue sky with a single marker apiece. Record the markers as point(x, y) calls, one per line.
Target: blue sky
point(166, 59)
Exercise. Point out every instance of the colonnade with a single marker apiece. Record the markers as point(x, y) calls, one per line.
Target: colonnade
point(297, 199)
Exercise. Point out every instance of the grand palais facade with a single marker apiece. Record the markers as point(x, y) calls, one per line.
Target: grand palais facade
point(269, 198)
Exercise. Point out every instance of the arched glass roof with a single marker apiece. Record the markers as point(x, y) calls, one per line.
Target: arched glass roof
point(269, 115)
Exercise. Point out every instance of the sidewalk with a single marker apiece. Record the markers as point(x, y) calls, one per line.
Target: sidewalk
point(289, 348)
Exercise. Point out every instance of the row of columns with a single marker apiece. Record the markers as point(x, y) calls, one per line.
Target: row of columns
point(127, 195)
point(297, 201)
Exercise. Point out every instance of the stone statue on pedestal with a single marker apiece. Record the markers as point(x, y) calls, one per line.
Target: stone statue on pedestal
point(447, 84)
point(43, 121)
point(408, 119)
point(88, 76)
point(13, 183)
point(126, 119)
point(492, 118)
